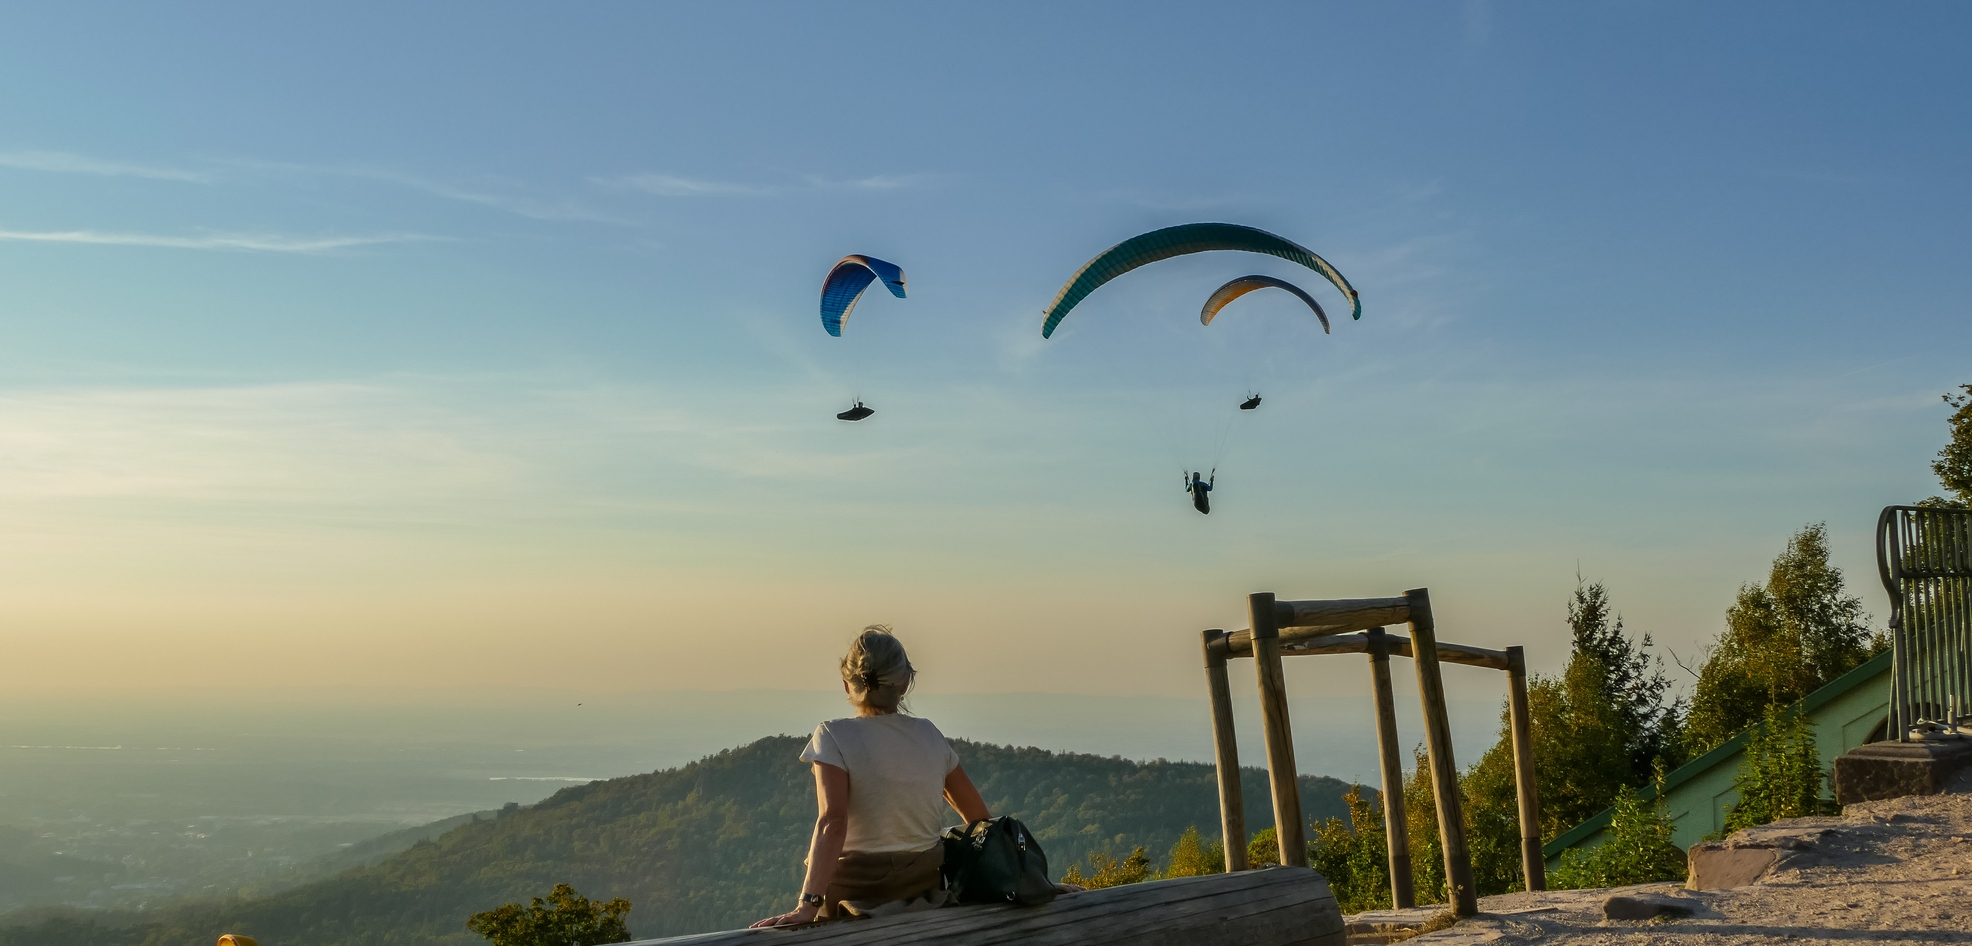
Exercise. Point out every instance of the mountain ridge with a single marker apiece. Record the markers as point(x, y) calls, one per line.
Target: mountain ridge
point(709, 845)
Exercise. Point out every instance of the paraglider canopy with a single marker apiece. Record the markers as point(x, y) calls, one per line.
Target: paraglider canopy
point(1250, 403)
point(855, 413)
point(846, 282)
point(1224, 295)
point(1182, 240)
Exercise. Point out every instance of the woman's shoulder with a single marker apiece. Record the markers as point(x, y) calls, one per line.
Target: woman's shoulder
point(903, 721)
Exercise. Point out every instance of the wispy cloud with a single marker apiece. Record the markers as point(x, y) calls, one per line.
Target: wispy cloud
point(260, 242)
point(670, 185)
point(875, 182)
point(62, 162)
point(536, 208)
point(484, 190)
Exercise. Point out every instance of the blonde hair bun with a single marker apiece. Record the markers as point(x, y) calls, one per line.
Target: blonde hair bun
point(877, 670)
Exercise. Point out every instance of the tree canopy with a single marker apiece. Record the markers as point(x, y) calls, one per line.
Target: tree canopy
point(1954, 462)
point(566, 919)
point(1783, 639)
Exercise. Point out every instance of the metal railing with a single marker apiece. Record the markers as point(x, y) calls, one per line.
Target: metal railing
point(1925, 557)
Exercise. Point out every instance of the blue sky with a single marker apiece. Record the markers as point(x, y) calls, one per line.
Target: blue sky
point(346, 344)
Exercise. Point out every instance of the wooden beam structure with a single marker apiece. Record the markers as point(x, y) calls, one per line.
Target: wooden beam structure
point(1225, 750)
point(1279, 906)
point(1282, 775)
point(1399, 647)
point(1356, 626)
point(1533, 866)
point(1396, 827)
point(1444, 769)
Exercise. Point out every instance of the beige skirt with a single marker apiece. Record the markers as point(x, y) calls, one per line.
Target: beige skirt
point(878, 884)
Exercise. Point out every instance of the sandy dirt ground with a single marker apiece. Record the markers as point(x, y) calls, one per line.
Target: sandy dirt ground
point(1896, 871)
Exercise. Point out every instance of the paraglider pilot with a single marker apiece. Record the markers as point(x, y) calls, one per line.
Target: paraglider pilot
point(1198, 486)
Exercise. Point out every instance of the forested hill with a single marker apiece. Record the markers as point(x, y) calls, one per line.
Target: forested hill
point(711, 845)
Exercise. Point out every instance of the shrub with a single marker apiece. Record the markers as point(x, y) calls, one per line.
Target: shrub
point(1355, 857)
point(1107, 871)
point(1264, 849)
point(1781, 774)
point(1190, 857)
point(1639, 850)
point(566, 919)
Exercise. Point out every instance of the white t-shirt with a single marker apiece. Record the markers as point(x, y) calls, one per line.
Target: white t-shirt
point(897, 766)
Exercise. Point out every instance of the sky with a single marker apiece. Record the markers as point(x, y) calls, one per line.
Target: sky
point(468, 348)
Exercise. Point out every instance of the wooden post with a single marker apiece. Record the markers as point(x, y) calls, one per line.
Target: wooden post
point(1438, 741)
point(1232, 804)
point(1533, 866)
point(1281, 773)
point(1395, 825)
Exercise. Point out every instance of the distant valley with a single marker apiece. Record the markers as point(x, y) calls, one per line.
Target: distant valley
point(700, 847)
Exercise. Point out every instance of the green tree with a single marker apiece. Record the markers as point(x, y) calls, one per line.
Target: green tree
point(1106, 871)
point(1782, 640)
point(1601, 725)
point(1954, 463)
point(1639, 849)
point(1631, 678)
point(566, 919)
point(1354, 855)
point(1781, 776)
point(1421, 826)
point(1191, 857)
point(1263, 849)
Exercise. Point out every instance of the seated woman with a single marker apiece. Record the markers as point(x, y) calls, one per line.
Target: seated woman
point(882, 781)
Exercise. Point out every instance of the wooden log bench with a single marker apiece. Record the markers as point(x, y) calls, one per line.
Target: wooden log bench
point(1275, 906)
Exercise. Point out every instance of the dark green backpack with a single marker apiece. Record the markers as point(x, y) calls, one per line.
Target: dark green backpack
point(996, 861)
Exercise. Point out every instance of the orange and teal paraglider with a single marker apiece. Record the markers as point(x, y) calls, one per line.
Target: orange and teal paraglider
point(1224, 295)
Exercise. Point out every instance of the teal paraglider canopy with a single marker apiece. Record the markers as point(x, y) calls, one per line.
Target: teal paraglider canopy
point(846, 282)
point(1224, 295)
point(1183, 240)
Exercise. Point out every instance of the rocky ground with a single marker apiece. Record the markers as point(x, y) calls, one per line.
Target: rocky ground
point(1895, 871)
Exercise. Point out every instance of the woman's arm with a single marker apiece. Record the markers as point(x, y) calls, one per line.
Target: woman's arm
point(825, 847)
point(963, 797)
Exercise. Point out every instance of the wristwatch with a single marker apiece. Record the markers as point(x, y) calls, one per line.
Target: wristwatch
point(813, 899)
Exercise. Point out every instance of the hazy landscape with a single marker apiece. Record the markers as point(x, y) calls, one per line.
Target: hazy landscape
point(143, 806)
point(707, 846)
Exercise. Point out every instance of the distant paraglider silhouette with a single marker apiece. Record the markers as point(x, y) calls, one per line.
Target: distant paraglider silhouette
point(855, 413)
point(1250, 403)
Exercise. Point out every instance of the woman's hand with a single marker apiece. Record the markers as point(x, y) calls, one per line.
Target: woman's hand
point(804, 913)
point(1069, 888)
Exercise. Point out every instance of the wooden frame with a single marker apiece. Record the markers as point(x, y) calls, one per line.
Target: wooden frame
point(1356, 626)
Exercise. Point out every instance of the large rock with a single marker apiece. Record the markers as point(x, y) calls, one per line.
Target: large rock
point(1747, 856)
point(1894, 769)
